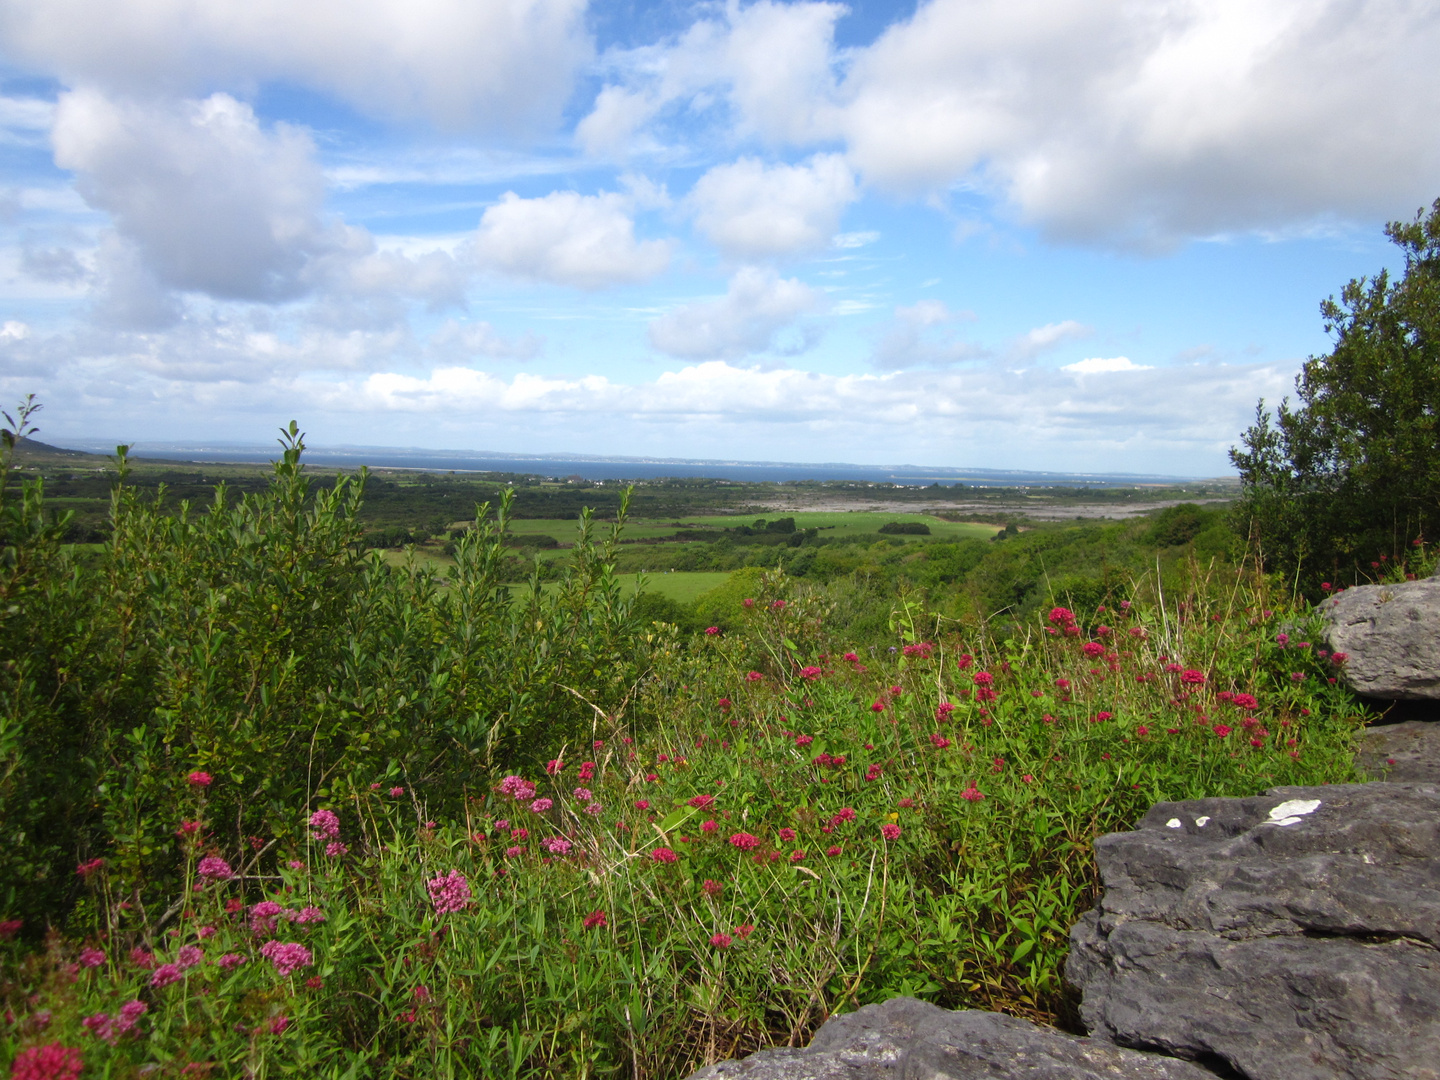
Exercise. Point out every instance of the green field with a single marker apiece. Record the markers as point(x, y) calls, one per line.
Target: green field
point(681, 586)
point(831, 523)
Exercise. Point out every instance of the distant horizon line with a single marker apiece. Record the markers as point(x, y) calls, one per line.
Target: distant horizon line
point(406, 456)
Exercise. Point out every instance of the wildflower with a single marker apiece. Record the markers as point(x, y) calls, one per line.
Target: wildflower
point(711, 888)
point(85, 869)
point(539, 806)
point(984, 693)
point(1142, 731)
point(396, 792)
point(214, 868)
point(314, 982)
point(53, 1061)
point(295, 864)
point(1191, 677)
point(943, 711)
point(700, 802)
point(642, 804)
point(874, 772)
point(804, 740)
point(1092, 649)
point(188, 828)
point(721, 940)
point(845, 813)
point(890, 832)
point(335, 849)
point(595, 919)
point(1282, 640)
point(1297, 676)
point(744, 930)
point(786, 834)
point(520, 834)
point(725, 704)
point(449, 892)
point(744, 841)
point(101, 1026)
point(778, 605)
point(877, 706)
point(230, 960)
point(556, 845)
point(287, 956)
point(1062, 617)
point(833, 851)
point(1222, 730)
point(199, 779)
point(748, 602)
point(810, 673)
point(1027, 778)
point(91, 958)
point(797, 856)
point(166, 974)
point(325, 824)
point(279, 1024)
point(263, 915)
point(712, 631)
point(587, 771)
point(188, 957)
point(1339, 658)
point(709, 826)
point(593, 809)
point(753, 676)
point(972, 793)
point(663, 855)
point(1101, 717)
point(1062, 684)
point(517, 788)
point(144, 959)
point(512, 852)
point(940, 741)
point(851, 658)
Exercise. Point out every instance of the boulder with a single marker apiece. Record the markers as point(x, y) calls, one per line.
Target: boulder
point(1390, 635)
point(1403, 753)
point(1289, 936)
point(913, 1040)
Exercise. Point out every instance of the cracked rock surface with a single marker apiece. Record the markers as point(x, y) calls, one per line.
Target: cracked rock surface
point(1388, 633)
point(906, 1039)
point(1288, 936)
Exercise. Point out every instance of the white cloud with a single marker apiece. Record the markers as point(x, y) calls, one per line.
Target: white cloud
point(1097, 365)
point(1043, 338)
point(455, 340)
point(921, 335)
point(211, 202)
point(14, 330)
point(501, 64)
point(752, 211)
point(758, 305)
point(565, 238)
point(1107, 122)
point(850, 240)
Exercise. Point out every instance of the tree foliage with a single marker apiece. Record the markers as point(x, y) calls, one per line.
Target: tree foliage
point(1352, 471)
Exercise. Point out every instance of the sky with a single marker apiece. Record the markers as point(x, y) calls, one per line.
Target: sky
point(1027, 234)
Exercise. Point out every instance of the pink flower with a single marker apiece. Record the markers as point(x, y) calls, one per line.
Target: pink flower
point(1191, 677)
point(721, 941)
point(711, 888)
point(101, 1026)
point(556, 845)
point(188, 957)
point(787, 834)
point(583, 794)
point(700, 802)
point(396, 792)
point(325, 824)
point(308, 915)
point(335, 849)
point(263, 916)
point(1221, 730)
point(1092, 649)
point(778, 605)
point(851, 658)
point(1062, 617)
point(593, 809)
point(972, 793)
point(518, 789)
point(278, 1024)
point(890, 832)
point(748, 602)
point(144, 959)
point(943, 711)
point(804, 740)
point(939, 740)
point(663, 855)
point(1028, 778)
point(595, 919)
point(449, 892)
point(811, 673)
point(539, 806)
point(833, 851)
point(287, 956)
point(554, 766)
point(166, 974)
point(709, 826)
point(845, 813)
point(91, 958)
point(512, 852)
point(712, 631)
point(200, 779)
point(744, 841)
point(85, 869)
point(1062, 684)
point(230, 961)
point(53, 1061)
point(642, 804)
point(797, 856)
point(214, 868)
point(753, 676)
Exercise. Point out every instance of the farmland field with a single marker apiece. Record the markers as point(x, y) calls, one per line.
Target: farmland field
point(831, 523)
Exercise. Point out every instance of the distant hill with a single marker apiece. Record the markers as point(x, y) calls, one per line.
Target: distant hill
point(33, 452)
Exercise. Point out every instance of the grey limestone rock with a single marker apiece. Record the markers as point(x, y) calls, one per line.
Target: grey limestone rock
point(1391, 637)
point(906, 1039)
point(1290, 936)
point(1402, 753)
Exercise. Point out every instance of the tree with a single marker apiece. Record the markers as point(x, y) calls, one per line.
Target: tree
point(1352, 472)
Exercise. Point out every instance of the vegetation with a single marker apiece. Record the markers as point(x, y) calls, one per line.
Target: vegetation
point(274, 804)
point(1351, 475)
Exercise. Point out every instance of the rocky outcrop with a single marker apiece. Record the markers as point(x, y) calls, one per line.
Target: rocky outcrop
point(1291, 936)
point(905, 1038)
point(1407, 752)
point(1390, 635)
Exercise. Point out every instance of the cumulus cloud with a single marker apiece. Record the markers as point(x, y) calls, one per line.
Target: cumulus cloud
point(1044, 338)
point(503, 64)
point(211, 202)
point(753, 211)
point(923, 335)
point(463, 341)
point(1105, 122)
point(757, 306)
point(565, 238)
point(1099, 365)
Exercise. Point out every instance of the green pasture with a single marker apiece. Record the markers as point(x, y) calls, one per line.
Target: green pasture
point(830, 522)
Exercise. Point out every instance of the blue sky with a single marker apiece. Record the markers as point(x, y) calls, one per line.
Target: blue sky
point(988, 233)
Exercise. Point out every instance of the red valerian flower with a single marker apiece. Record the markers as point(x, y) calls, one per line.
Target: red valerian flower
point(701, 801)
point(1191, 677)
point(712, 630)
point(890, 832)
point(199, 779)
point(940, 741)
point(972, 793)
point(663, 855)
point(595, 919)
point(1222, 730)
point(744, 841)
point(721, 941)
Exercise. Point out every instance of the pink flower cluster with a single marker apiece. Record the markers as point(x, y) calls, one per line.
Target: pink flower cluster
point(52, 1061)
point(556, 845)
point(449, 892)
point(287, 956)
point(325, 824)
point(214, 868)
point(110, 1028)
point(744, 841)
point(518, 788)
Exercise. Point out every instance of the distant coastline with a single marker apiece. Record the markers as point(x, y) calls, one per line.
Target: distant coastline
point(594, 467)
